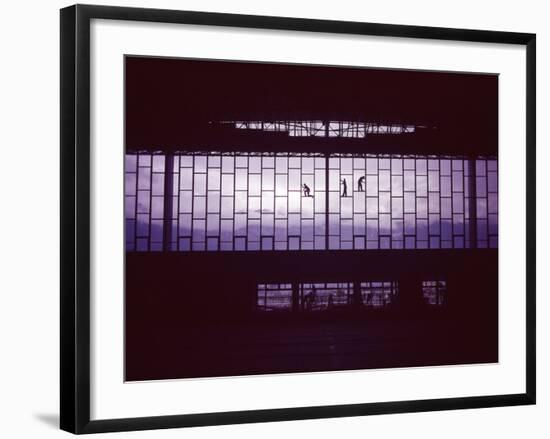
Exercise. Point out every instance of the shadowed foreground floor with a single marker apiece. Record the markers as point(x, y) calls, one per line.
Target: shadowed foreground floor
point(314, 345)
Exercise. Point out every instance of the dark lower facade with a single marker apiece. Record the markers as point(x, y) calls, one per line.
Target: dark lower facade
point(201, 314)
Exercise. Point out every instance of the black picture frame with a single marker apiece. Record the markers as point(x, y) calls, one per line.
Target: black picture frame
point(75, 217)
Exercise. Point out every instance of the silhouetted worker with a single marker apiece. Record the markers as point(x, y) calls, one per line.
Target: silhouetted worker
point(369, 299)
point(330, 303)
point(345, 187)
point(307, 190)
point(309, 299)
point(360, 184)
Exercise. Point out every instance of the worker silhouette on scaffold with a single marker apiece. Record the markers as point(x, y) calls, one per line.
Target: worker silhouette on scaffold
point(310, 298)
point(344, 187)
point(307, 190)
point(360, 183)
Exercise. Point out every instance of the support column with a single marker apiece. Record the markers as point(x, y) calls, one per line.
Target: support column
point(472, 204)
point(410, 298)
point(295, 297)
point(326, 200)
point(357, 298)
point(326, 124)
point(168, 200)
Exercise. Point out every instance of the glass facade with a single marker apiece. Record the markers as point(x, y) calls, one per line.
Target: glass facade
point(318, 128)
point(321, 296)
point(268, 201)
point(434, 291)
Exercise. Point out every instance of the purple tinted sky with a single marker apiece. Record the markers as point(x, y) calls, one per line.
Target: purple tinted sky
point(261, 191)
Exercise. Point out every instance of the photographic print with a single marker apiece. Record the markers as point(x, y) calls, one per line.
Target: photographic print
point(287, 218)
point(268, 219)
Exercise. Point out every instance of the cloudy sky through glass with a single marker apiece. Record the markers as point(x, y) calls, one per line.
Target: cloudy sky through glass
point(280, 201)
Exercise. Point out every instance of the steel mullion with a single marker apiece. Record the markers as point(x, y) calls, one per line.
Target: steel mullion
point(439, 203)
point(192, 237)
point(287, 201)
point(220, 205)
point(415, 246)
point(247, 198)
point(178, 247)
point(136, 205)
point(453, 204)
point(261, 245)
point(487, 193)
point(327, 196)
point(301, 206)
point(234, 157)
point(149, 238)
point(378, 200)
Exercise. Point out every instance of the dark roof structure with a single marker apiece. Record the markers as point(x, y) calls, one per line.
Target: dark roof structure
point(174, 104)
